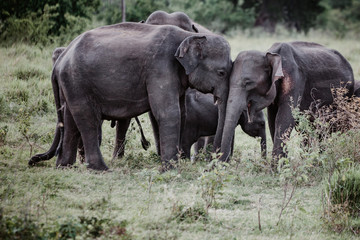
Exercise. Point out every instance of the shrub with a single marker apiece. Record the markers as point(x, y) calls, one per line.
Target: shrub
point(31, 28)
point(18, 228)
point(344, 190)
point(181, 213)
point(331, 135)
point(26, 74)
point(212, 181)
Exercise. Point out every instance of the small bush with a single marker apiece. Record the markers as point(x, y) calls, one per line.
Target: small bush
point(19, 95)
point(32, 28)
point(26, 74)
point(212, 181)
point(181, 213)
point(18, 228)
point(344, 190)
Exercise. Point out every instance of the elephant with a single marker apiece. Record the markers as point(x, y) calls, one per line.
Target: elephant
point(123, 70)
point(179, 19)
point(289, 74)
point(201, 120)
point(56, 53)
point(124, 123)
point(183, 21)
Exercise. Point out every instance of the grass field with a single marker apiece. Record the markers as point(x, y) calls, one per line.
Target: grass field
point(134, 200)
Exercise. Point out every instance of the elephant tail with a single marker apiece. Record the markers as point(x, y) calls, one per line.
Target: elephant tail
point(59, 132)
point(144, 142)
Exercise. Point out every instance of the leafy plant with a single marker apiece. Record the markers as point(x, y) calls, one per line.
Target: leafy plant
point(181, 213)
point(212, 181)
point(344, 190)
point(18, 228)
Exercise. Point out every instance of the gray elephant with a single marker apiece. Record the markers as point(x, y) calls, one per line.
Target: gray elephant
point(201, 120)
point(123, 70)
point(123, 123)
point(289, 74)
point(178, 19)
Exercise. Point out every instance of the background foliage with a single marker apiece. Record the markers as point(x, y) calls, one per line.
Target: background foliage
point(47, 21)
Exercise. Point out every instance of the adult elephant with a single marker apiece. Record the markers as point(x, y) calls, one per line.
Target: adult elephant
point(183, 21)
point(122, 123)
point(201, 120)
point(288, 75)
point(123, 70)
point(179, 19)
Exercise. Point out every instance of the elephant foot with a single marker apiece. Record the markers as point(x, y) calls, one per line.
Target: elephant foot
point(65, 167)
point(98, 167)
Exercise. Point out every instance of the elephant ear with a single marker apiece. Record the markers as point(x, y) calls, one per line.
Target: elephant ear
point(274, 61)
point(190, 52)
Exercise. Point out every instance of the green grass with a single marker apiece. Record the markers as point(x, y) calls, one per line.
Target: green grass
point(134, 200)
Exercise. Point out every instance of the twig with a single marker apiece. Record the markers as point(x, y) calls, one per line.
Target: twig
point(288, 201)
point(259, 219)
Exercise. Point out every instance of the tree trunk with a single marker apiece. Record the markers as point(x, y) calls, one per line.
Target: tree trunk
point(269, 14)
point(123, 11)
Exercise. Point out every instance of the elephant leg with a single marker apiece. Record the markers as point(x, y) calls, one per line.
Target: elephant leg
point(122, 126)
point(80, 147)
point(155, 128)
point(284, 123)
point(67, 155)
point(182, 126)
point(232, 145)
point(200, 144)
point(166, 110)
point(89, 125)
point(81, 150)
point(189, 136)
point(272, 112)
point(187, 140)
point(263, 147)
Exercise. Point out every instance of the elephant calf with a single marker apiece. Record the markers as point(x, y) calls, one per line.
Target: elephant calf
point(201, 120)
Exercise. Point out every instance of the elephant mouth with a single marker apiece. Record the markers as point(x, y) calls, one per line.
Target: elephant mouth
point(216, 100)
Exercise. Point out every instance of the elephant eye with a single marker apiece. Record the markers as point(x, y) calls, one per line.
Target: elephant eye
point(247, 82)
point(221, 73)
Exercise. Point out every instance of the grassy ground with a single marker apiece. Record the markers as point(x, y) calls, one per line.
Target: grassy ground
point(135, 201)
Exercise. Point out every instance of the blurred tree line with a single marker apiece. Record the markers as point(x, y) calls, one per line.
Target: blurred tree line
point(46, 21)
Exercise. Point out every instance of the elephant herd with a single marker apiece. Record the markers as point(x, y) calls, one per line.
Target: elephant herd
point(183, 76)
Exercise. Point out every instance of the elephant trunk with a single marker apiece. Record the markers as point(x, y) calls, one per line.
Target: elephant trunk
point(235, 106)
point(220, 126)
point(221, 94)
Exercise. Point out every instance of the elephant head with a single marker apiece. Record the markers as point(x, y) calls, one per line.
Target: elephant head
point(252, 88)
point(207, 62)
point(255, 128)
